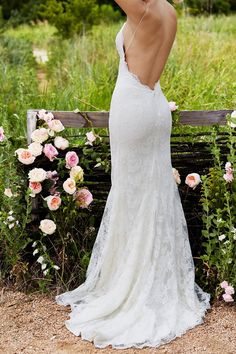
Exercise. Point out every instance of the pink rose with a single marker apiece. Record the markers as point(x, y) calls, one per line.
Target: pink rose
point(71, 159)
point(90, 138)
point(228, 167)
point(192, 180)
point(45, 115)
point(224, 284)
point(227, 298)
point(173, 106)
point(50, 151)
point(2, 136)
point(53, 202)
point(36, 187)
point(25, 156)
point(83, 198)
point(228, 177)
point(229, 290)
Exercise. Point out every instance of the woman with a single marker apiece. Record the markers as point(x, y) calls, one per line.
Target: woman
point(140, 288)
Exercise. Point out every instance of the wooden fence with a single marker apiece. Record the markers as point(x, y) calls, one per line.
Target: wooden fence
point(186, 156)
point(100, 119)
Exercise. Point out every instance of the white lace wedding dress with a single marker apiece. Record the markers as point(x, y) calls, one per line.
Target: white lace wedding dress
point(140, 288)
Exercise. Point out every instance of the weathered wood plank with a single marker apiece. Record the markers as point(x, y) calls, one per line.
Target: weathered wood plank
point(204, 117)
point(31, 124)
point(99, 119)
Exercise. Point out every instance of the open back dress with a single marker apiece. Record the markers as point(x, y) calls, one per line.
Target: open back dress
point(140, 288)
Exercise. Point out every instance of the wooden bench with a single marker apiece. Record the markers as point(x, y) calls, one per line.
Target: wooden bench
point(187, 156)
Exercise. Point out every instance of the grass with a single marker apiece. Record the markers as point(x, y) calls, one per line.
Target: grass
point(198, 73)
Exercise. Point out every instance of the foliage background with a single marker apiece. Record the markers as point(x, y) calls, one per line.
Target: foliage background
point(64, 13)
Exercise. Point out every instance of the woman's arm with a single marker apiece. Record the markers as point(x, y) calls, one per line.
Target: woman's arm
point(133, 8)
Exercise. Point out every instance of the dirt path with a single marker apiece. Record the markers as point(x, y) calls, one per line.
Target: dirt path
point(41, 57)
point(35, 324)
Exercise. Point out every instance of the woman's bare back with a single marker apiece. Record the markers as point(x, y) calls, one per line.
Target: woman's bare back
point(150, 46)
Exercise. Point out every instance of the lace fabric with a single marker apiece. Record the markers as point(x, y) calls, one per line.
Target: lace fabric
point(140, 288)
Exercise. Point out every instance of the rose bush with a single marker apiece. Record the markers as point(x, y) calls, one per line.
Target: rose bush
point(55, 246)
point(59, 189)
point(219, 215)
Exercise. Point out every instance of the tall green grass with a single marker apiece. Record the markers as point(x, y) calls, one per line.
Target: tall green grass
point(199, 73)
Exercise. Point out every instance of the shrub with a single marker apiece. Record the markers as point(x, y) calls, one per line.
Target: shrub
point(219, 215)
point(196, 7)
point(76, 16)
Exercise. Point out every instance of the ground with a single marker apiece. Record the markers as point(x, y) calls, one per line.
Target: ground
point(35, 324)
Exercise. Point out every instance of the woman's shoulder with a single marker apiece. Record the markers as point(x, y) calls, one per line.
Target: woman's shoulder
point(162, 10)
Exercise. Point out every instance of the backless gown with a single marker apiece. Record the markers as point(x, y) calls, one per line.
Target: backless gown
point(140, 288)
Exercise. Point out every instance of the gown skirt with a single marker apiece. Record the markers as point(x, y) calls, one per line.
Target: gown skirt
point(140, 288)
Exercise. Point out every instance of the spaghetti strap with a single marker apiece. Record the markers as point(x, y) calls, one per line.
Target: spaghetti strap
point(132, 37)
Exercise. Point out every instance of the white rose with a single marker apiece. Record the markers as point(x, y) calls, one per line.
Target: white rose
point(44, 266)
point(192, 180)
point(228, 166)
point(47, 226)
point(233, 115)
point(35, 252)
point(10, 218)
point(176, 175)
point(56, 125)
point(77, 173)
point(222, 237)
point(61, 143)
point(37, 175)
point(39, 135)
point(56, 267)
point(35, 148)
point(45, 272)
point(40, 260)
point(69, 186)
point(34, 244)
point(41, 113)
point(8, 193)
point(25, 156)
